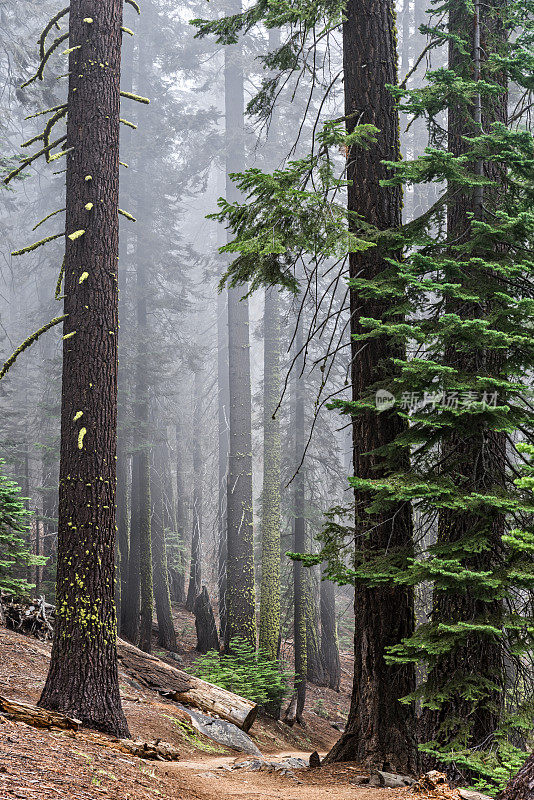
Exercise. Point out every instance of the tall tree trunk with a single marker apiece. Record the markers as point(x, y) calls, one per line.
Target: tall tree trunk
point(222, 419)
point(195, 570)
point(124, 383)
point(474, 453)
point(271, 516)
point(83, 677)
point(299, 541)
point(240, 589)
point(379, 730)
point(142, 398)
point(329, 642)
point(166, 632)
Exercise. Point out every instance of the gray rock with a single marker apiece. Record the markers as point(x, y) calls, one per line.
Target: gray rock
point(359, 780)
point(468, 794)
point(175, 657)
point(222, 732)
point(390, 780)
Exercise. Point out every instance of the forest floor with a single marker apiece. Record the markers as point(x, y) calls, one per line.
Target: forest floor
point(40, 764)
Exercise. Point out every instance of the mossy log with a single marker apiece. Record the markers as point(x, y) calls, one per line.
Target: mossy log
point(177, 685)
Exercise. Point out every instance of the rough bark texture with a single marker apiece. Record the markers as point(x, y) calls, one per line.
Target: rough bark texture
point(195, 569)
point(379, 729)
point(240, 591)
point(83, 679)
point(166, 632)
point(329, 641)
point(271, 518)
point(521, 787)
point(474, 455)
point(207, 636)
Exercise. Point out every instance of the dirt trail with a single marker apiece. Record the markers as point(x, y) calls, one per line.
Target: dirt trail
point(214, 779)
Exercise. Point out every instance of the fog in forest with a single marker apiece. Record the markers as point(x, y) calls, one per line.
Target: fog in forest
point(246, 395)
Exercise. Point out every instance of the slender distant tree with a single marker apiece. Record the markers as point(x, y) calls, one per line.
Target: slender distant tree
point(195, 568)
point(166, 632)
point(131, 600)
point(296, 708)
point(329, 641)
point(223, 403)
point(83, 678)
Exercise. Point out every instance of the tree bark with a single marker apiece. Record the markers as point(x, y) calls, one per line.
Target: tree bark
point(195, 569)
point(83, 678)
point(240, 589)
point(521, 787)
point(379, 730)
point(207, 636)
point(271, 516)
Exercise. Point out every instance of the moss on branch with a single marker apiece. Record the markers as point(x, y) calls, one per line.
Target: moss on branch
point(29, 341)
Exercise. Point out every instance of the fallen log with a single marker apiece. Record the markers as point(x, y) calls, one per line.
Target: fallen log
point(177, 685)
point(37, 717)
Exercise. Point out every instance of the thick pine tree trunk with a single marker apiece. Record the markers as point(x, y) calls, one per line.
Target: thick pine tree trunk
point(83, 679)
point(166, 632)
point(474, 454)
point(329, 642)
point(195, 569)
point(521, 787)
point(379, 730)
point(240, 589)
point(271, 517)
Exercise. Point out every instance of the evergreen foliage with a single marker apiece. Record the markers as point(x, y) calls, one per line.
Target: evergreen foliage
point(245, 672)
point(15, 557)
point(470, 295)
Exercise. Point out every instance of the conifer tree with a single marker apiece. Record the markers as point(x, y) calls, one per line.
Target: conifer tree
point(82, 679)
